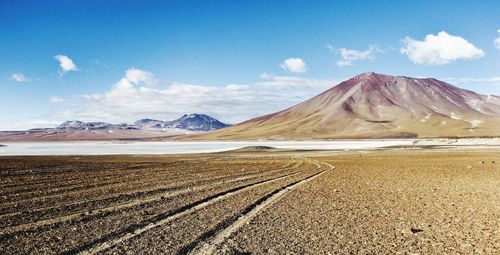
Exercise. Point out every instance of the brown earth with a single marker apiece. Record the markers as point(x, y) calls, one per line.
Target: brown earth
point(255, 200)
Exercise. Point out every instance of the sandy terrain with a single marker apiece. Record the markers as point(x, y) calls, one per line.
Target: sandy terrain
point(257, 200)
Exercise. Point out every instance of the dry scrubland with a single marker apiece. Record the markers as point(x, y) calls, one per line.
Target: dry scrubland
point(396, 201)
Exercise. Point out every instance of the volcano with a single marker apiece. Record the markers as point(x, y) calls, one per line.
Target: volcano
point(373, 105)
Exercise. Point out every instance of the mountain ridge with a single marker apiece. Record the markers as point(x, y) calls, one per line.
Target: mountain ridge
point(191, 122)
point(372, 105)
point(143, 129)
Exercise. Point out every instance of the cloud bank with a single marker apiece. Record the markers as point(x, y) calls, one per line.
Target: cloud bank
point(440, 49)
point(140, 94)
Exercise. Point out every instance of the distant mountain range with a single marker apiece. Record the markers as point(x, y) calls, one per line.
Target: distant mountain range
point(141, 129)
point(373, 105)
point(191, 122)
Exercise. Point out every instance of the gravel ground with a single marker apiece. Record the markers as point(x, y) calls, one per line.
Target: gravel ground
point(387, 202)
point(393, 201)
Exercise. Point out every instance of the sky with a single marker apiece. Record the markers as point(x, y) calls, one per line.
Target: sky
point(119, 61)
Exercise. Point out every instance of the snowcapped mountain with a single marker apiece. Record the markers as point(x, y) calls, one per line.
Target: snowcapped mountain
point(191, 122)
point(149, 123)
point(80, 125)
point(196, 122)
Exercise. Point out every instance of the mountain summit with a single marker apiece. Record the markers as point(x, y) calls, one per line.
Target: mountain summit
point(191, 122)
point(372, 105)
point(197, 122)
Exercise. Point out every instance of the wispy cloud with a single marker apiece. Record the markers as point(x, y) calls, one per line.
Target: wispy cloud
point(18, 77)
point(65, 63)
point(56, 100)
point(439, 49)
point(294, 65)
point(26, 124)
point(497, 40)
point(140, 94)
point(349, 57)
point(463, 80)
point(292, 82)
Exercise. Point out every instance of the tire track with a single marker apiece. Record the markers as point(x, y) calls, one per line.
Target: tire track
point(209, 242)
point(161, 219)
point(99, 185)
point(162, 189)
point(108, 172)
point(68, 171)
point(129, 204)
point(119, 184)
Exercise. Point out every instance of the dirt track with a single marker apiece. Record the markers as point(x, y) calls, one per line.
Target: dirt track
point(272, 202)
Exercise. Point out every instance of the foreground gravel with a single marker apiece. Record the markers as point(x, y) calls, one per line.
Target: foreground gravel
point(270, 202)
point(386, 203)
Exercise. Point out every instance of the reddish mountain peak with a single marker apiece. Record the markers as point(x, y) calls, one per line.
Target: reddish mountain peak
point(370, 80)
point(369, 75)
point(378, 105)
point(364, 81)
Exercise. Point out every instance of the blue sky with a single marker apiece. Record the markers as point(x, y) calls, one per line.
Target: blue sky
point(124, 60)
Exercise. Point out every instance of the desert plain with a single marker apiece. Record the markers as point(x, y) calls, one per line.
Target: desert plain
point(412, 200)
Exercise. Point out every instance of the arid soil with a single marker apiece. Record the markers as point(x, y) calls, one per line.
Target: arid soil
point(253, 201)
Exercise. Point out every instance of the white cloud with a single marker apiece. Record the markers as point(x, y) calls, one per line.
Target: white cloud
point(55, 100)
point(18, 77)
point(291, 82)
point(497, 40)
point(137, 76)
point(65, 63)
point(440, 49)
point(140, 94)
point(349, 56)
point(463, 80)
point(294, 65)
point(27, 124)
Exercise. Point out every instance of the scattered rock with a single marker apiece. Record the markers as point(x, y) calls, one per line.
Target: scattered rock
point(416, 230)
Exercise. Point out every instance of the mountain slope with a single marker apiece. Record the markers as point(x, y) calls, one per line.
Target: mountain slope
point(197, 122)
point(374, 105)
point(191, 122)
